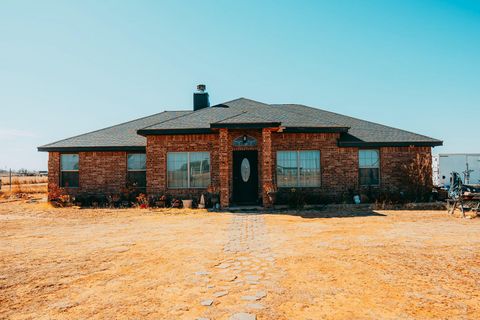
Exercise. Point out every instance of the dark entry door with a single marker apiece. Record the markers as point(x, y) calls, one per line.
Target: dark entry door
point(245, 177)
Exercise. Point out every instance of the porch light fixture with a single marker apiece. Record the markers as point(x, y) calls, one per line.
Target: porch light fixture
point(244, 138)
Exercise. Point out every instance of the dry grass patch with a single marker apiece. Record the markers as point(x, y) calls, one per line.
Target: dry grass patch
point(22, 186)
point(24, 180)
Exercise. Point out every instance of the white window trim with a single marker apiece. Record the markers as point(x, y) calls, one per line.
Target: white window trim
point(370, 167)
point(298, 185)
point(188, 169)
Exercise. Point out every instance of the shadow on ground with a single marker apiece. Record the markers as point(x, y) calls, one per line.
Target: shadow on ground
point(312, 214)
point(315, 213)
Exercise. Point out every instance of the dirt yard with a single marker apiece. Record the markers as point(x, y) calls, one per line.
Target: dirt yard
point(142, 264)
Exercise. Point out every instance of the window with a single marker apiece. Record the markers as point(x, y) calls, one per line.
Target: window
point(298, 168)
point(188, 169)
point(244, 141)
point(199, 169)
point(69, 170)
point(369, 167)
point(136, 170)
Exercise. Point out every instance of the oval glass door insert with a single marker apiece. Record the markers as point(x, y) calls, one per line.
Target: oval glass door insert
point(245, 169)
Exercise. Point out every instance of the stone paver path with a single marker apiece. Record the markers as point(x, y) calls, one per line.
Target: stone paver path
point(239, 284)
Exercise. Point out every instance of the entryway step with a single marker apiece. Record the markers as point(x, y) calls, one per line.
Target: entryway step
point(245, 209)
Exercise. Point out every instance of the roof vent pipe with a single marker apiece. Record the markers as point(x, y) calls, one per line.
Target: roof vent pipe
point(200, 98)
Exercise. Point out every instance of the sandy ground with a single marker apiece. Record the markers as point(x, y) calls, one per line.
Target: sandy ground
point(142, 264)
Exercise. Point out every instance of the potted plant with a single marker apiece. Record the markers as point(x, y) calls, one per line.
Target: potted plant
point(142, 201)
point(201, 204)
point(161, 202)
point(176, 203)
point(187, 203)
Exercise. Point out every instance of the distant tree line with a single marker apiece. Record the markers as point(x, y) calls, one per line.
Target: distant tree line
point(22, 172)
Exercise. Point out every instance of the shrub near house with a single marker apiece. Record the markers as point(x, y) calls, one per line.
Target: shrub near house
point(237, 148)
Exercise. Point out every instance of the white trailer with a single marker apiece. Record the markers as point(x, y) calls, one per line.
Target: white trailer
point(466, 164)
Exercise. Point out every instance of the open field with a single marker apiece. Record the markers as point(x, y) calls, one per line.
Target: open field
point(20, 184)
point(23, 188)
point(24, 180)
point(132, 263)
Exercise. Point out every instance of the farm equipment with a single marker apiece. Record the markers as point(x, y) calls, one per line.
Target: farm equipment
point(466, 197)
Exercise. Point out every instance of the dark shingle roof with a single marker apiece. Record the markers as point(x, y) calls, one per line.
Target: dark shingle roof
point(115, 137)
point(242, 113)
point(364, 132)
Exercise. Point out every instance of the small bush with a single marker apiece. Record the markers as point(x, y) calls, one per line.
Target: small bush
point(297, 198)
point(158, 201)
point(59, 198)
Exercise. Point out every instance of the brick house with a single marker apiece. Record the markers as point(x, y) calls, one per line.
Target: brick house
point(238, 148)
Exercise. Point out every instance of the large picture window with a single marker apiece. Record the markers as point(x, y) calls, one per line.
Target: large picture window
point(69, 170)
point(136, 170)
point(298, 168)
point(369, 167)
point(188, 169)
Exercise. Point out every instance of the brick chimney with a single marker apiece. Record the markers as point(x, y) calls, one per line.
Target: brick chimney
point(200, 98)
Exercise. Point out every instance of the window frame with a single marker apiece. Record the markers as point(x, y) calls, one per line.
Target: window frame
point(369, 167)
point(136, 170)
point(188, 169)
point(297, 152)
point(61, 170)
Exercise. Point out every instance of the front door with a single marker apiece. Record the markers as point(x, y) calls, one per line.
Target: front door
point(245, 177)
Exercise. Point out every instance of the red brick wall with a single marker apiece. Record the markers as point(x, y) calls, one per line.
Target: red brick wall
point(267, 173)
point(53, 172)
point(224, 166)
point(102, 172)
point(105, 172)
point(157, 148)
point(99, 172)
point(391, 160)
point(339, 166)
point(220, 146)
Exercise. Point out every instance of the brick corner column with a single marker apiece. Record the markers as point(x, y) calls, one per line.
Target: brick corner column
point(224, 168)
point(267, 174)
point(156, 154)
point(53, 172)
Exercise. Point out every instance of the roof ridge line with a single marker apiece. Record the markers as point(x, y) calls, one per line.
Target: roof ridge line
point(183, 115)
point(235, 115)
point(109, 127)
point(174, 118)
point(297, 113)
point(243, 98)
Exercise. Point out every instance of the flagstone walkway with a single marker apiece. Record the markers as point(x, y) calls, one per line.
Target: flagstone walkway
point(239, 284)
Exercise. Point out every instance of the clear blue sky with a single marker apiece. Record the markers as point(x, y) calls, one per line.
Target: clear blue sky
point(68, 67)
